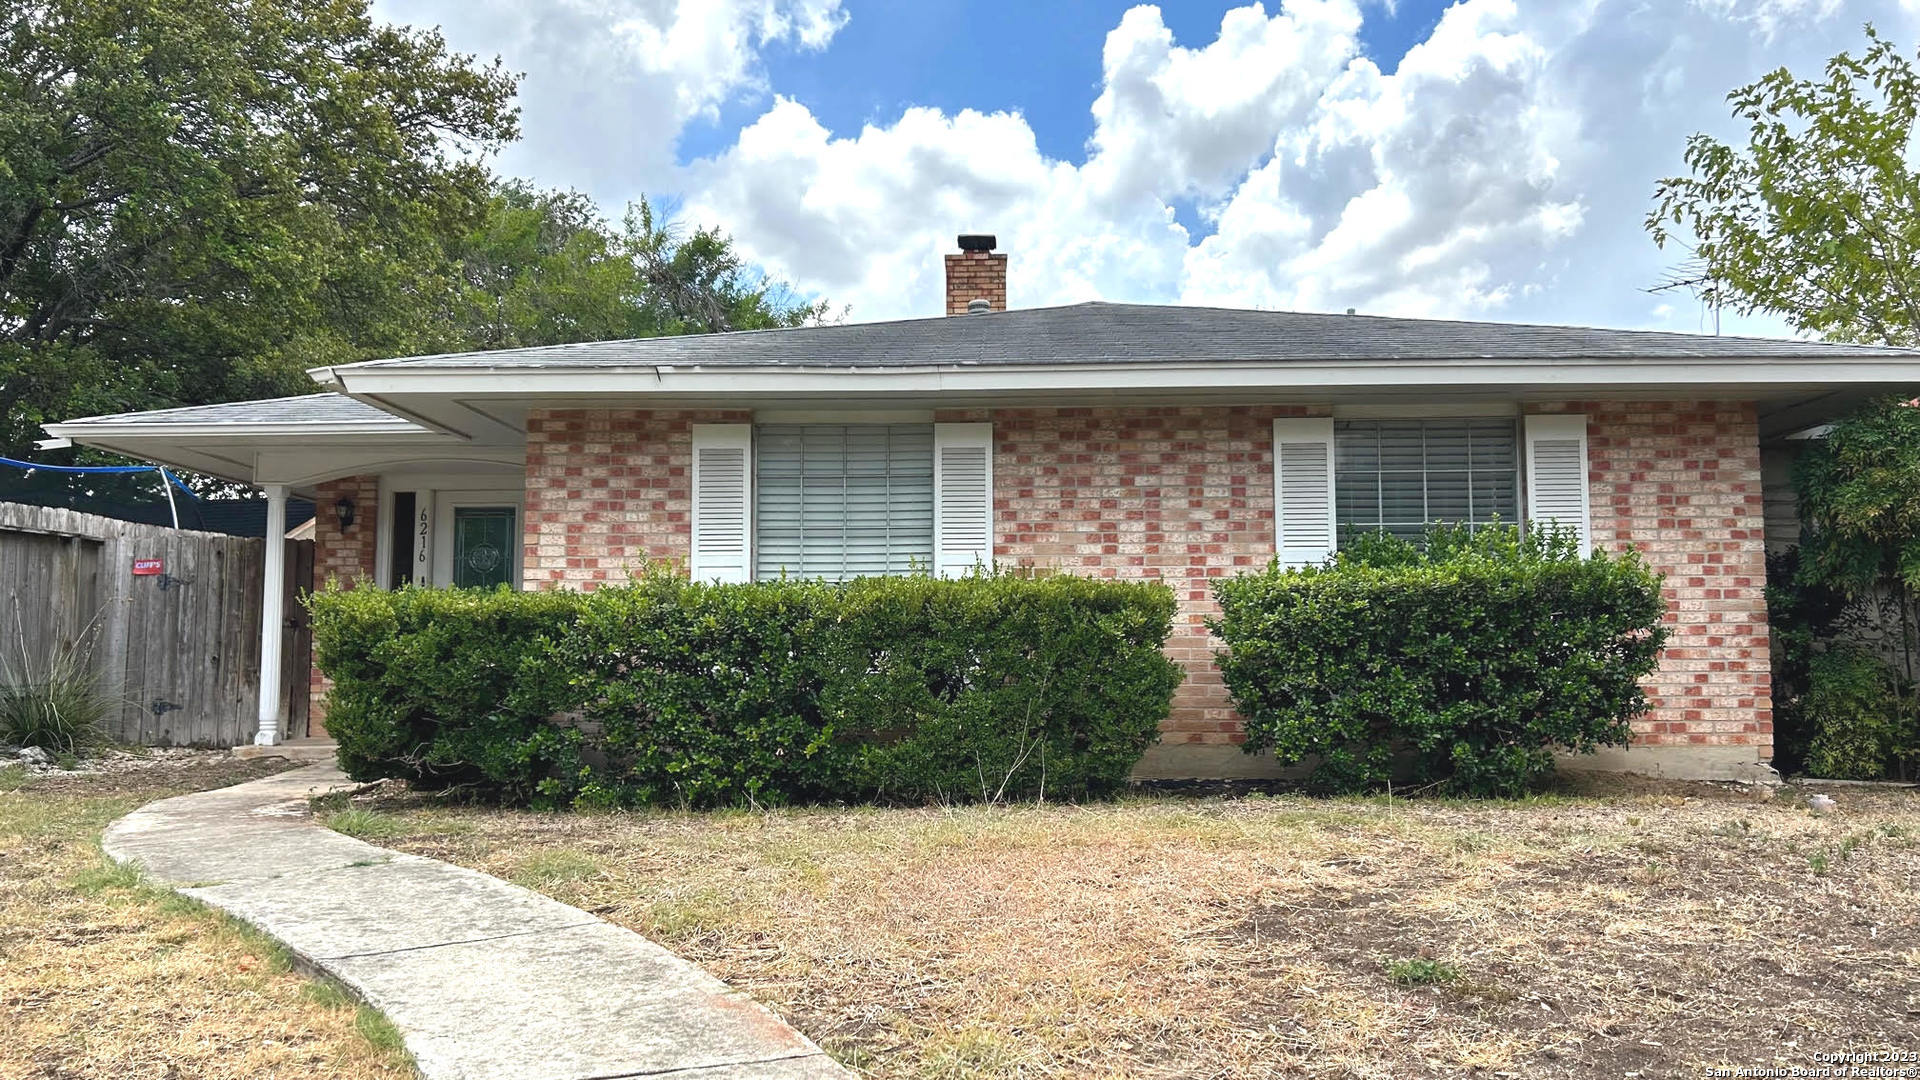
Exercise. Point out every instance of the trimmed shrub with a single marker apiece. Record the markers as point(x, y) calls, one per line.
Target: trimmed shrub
point(997, 686)
point(446, 687)
point(1462, 664)
point(683, 693)
point(697, 694)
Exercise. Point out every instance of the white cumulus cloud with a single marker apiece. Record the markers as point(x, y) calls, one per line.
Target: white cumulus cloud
point(1499, 170)
point(864, 218)
point(610, 84)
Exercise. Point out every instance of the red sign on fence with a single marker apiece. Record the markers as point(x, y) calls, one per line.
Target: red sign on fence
point(146, 566)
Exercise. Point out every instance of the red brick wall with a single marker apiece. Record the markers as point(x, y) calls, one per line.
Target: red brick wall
point(1178, 494)
point(1185, 494)
point(1680, 481)
point(608, 490)
point(346, 556)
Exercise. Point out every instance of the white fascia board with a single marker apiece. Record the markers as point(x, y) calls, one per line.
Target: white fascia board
point(191, 459)
point(383, 428)
point(646, 381)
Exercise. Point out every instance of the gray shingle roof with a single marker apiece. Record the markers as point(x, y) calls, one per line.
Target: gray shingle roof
point(1138, 333)
point(306, 409)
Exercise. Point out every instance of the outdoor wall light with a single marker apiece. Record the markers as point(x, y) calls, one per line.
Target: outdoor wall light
point(344, 511)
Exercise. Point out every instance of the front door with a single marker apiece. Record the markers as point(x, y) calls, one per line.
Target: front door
point(484, 539)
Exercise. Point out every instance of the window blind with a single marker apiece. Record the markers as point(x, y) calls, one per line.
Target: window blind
point(842, 500)
point(1403, 475)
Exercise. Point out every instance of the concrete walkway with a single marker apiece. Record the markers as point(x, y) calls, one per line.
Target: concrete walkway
point(485, 979)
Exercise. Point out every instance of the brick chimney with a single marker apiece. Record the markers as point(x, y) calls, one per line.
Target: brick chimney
point(976, 273)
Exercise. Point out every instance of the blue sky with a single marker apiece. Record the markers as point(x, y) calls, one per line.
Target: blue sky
point(1039, 59)
point(1484, 159)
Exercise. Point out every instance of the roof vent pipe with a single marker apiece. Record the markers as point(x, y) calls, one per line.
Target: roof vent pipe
point(979, 305)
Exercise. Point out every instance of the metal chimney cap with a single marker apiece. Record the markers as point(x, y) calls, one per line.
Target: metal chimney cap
point(976, 241)
point(979, 305)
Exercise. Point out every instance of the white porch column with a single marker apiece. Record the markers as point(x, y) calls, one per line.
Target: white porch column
point(272, 616)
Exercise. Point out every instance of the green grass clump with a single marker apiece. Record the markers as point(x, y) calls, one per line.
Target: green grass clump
point(57, 705)
point(366, 824)
point(1422, 971)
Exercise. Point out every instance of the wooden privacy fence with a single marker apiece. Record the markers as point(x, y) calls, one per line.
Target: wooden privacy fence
point(176, 644)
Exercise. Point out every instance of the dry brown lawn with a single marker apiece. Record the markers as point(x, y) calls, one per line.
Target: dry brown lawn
point(1634, 931)
point(103, 976)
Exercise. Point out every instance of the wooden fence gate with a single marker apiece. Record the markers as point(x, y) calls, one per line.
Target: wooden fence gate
point(169, 621)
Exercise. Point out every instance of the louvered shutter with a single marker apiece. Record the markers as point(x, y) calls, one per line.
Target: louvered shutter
point(962, 498)
point(1303, 489)
point(722, 484)
point(1557, 473)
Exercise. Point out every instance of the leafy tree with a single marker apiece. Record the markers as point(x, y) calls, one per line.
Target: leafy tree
point(539, 270)
point(1858, 570)
point(1817, 219)
point(697, 284)
point(1859, 491)
point(199, 199)
point(544, 268)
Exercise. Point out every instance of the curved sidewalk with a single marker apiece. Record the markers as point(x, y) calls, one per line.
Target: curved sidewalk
point(485, 979)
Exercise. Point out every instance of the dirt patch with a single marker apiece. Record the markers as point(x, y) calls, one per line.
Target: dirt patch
point(1647, 929)
point(163, 771)
point(1612, 964)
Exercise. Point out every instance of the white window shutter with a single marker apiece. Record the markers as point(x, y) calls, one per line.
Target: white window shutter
point(1557, 474)
point(722, 502)
point(1303, 525)
point(962, 498)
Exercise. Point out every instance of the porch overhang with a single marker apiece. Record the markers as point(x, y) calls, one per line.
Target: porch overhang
point(291, 452)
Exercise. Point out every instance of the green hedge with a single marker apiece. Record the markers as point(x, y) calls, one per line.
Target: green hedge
point(908, 689)
point(1459, 664)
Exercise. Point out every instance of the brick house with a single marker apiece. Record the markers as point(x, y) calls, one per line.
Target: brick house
point(1105, 439)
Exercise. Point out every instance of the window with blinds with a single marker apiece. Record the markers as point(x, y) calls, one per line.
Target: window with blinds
point(1403, 475)
point(839, 501)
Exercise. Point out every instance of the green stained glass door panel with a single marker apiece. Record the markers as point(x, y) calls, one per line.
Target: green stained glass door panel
point(483, 545)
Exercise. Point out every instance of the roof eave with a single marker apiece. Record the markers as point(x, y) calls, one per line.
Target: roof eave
point(724, 379)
